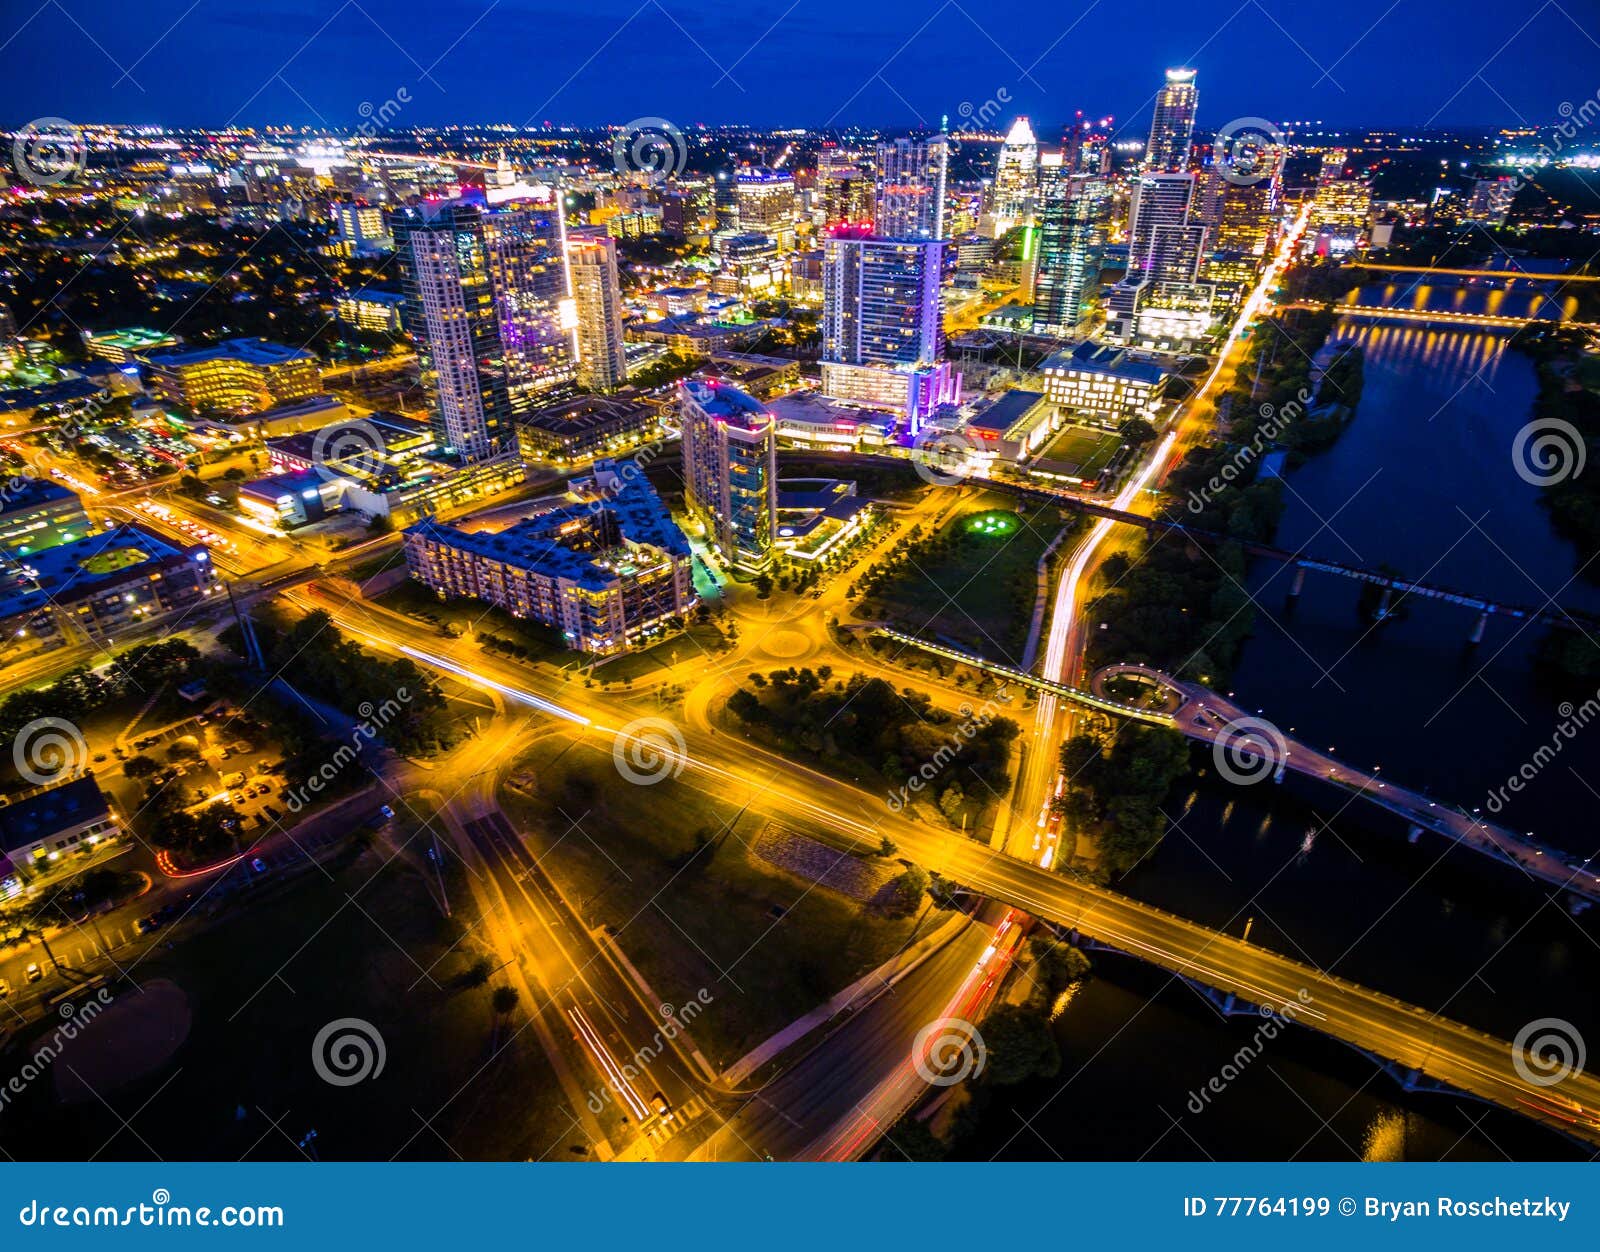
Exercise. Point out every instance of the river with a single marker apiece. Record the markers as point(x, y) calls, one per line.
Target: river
point(1422, 481)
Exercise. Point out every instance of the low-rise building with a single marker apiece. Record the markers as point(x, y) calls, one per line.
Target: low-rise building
point(37, 513)
point(235, 376)
point(585, 428)
point(377, 311)
point(1104, 385)
point(610, 573)
point(124, 347)
point(50, 824)
point(1015, 426)
point(761, 376)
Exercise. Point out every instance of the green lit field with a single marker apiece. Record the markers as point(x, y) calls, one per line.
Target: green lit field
point(1082, 450)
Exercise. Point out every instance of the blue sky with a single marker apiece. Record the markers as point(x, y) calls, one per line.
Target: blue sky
point(770, 62)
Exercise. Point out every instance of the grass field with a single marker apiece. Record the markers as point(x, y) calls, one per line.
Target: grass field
point(288, 955)
point(974, 584)
point(1086, 448)
point(767, 946)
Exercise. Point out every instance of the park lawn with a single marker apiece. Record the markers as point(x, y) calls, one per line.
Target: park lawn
point(702, 641)
point(285, 956)
point(978, 592)
point(473, 617)
point(765, 945)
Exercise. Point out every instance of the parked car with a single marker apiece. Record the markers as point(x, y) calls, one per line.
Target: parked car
point(34, 972)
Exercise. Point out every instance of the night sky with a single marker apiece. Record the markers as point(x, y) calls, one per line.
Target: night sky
point(891, 63)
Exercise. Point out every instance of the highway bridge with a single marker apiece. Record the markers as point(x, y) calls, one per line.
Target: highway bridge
point(1248, 748)
point(1391, 584)
point(1507, 274)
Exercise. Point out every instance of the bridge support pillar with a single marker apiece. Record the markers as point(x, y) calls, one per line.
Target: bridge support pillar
point(1385, 603)
point(1299, 583)
point(1478, 628)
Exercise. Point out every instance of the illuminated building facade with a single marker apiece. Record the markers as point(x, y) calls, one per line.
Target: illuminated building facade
point(730, 469)
point(235, 376)
point(1016, 178)
point(1074, 212)
point(602, 364)
point(489, 304)
point(910, 194)
point(612, 574)
point(1172, 125)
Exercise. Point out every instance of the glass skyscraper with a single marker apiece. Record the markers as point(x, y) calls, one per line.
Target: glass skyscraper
point(1074, 210)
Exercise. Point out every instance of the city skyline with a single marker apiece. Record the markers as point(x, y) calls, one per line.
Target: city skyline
point(895, 66)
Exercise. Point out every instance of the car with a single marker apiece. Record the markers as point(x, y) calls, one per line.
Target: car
point(258, 865)
point(385, 812)
point(34, 972)
point(662, 1108)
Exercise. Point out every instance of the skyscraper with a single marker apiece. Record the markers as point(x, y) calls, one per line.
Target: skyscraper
point(845, 185)
point(730, 469)
point(1172, 126)
point(488, 302)
point(882, 323)
point(1161, 203)
point(602, 364)
point(1016, 178)
point(1074, 209)
point(910, 202)
point(766, 203)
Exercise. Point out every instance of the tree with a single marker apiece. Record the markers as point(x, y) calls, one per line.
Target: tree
point(1020, 1045)
point(950, 803)
point(502, 1000)
point(137, 767)
point(886, 847)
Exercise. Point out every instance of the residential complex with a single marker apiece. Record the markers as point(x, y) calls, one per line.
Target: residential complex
point(730, 470)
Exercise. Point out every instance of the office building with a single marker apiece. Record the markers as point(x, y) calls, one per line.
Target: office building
point(1103, 385)
point(730, 470)
point(1491, 200)
point(1172, 125)
point(1016, 178)
point(234, 376)
point(377, 311)
point(910, 192)
point(766, 204)
point(362, 229)
point(597, 293)
point(1074, 212)
point(489, 305)
point(845, 186)
point(48, 825)
point(612, 573)
point(1159, 203)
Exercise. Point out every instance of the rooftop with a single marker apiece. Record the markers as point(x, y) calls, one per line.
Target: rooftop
point(61, 808)
point(91, 565)
point(1007, 411)
point(248, 351)
point(29, 493)
point(1094, 358)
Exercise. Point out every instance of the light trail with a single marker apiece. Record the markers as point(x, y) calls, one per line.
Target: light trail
point(511, 693)
point(613, 1072)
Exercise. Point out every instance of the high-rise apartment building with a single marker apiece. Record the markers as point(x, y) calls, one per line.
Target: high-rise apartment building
point(730, 470)
point(845, 186)
point(1172, 125)
point(910, 199)
point(1074, 210)
point(597, 293)
point(766, 204)
point(489, 304)
point(882, 323)
point(1160, 203)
